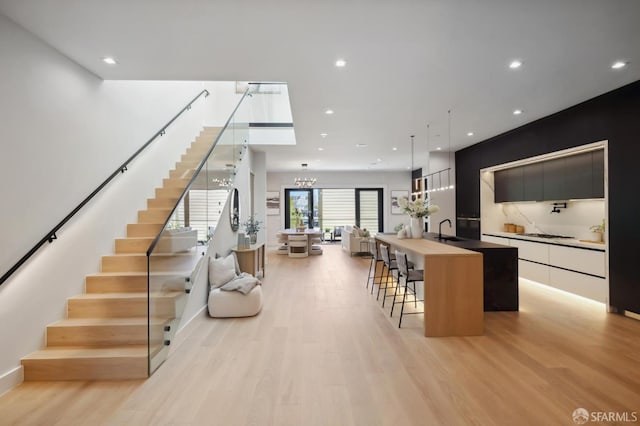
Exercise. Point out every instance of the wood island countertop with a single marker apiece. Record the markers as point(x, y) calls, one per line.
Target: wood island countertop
point(453, 286)
point(424, 247)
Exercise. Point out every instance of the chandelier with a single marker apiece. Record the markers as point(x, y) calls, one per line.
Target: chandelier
point(304, 182)
point(225, 183)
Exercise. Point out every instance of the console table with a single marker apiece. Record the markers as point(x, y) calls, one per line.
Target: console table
point(453, 288)
point(251, 260)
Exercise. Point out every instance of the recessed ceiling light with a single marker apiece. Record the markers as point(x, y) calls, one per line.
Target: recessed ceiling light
point(515, 64)
point(438, 148)
point(395, 148)
point(341, 63)
point(517, 111)
point(361, 145)
point(618, 64)
point(320, 148)
point(469, 133)
point(109, 60)
point(328, 111)
point(379, 160)
point(324, 135)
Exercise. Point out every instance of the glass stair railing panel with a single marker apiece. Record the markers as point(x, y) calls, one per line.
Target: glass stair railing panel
point(178, 251)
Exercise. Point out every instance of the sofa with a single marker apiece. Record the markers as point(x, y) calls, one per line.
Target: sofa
point(352, 239)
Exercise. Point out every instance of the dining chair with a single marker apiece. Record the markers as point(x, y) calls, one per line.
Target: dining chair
point(298, 246)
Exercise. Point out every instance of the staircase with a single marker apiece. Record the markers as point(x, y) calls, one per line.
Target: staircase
point(105, 334)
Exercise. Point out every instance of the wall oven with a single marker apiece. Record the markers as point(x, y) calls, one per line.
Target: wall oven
point(468, 227)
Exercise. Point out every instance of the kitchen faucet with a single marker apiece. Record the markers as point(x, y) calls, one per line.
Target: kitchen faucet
point(440, 227)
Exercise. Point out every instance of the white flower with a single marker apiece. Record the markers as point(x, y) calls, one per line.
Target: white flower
point(417, 208)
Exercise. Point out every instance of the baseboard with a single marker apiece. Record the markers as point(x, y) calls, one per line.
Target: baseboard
point(11, 379)
point(631, 314)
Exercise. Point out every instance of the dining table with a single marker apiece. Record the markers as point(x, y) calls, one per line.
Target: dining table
point(311, 234)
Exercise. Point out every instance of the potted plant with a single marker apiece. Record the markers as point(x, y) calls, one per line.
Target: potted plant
point(251, 227)
point(296, 213)
point(597, 232)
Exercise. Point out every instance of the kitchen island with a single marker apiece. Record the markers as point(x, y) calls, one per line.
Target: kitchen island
point(453, 286)
point(500, 270)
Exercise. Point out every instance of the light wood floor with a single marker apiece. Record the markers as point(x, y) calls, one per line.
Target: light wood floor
point(323, 352)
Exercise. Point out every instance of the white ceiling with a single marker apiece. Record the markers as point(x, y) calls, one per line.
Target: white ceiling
point(408, 61)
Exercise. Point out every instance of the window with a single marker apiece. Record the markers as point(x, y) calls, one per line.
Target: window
point(204, 210)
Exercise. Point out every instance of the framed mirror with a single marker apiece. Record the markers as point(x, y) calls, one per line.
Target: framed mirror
point(234, 209)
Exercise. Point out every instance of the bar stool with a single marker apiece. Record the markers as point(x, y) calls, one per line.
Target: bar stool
point(373, 266)
point(410, 276)
point(390, 265)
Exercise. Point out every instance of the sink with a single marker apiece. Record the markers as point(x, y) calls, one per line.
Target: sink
point(447, 238)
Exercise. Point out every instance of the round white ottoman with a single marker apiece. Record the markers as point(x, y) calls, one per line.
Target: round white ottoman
point(233, 304)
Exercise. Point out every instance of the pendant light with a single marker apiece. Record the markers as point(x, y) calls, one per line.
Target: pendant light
point(451, 186)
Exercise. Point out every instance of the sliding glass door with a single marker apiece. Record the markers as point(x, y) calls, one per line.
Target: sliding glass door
point(333, 207)
point(306, 202)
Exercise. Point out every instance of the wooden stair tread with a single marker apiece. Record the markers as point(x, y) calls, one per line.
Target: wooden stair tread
point(184, 255)
point(80, 322)
point(67, 352)
point(174, 273)
point(154, 295)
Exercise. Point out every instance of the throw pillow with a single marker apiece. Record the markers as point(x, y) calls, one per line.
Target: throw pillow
point(221, 270)
point(235, 259)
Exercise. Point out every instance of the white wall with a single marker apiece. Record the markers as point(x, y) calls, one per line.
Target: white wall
point(389, 181)
point(446, 199)
point(64, 131)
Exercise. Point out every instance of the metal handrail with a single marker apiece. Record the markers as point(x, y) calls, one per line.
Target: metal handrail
point(51, 235)
point(195, 174)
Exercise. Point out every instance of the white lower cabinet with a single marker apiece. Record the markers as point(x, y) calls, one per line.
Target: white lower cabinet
point(533, 271)
point(529, 250)
point(588, 261)
point(571, 269)
point(495, 240)
point(580, 284)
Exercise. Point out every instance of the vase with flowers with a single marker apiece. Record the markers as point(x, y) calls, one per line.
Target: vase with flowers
point(417, 211)
point(296, 214)
point(251, 227)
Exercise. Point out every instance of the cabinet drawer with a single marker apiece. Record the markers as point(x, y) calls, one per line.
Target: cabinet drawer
point(533, 271)
point(583, 285)
point(588, 261)
point(495, 240)
point(531, 251)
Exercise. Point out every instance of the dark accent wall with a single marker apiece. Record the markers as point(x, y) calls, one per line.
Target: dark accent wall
point(614, 116)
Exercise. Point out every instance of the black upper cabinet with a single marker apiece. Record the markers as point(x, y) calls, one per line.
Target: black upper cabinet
point(579, 176)
point(509, 185)
point(533, 182)
point(598, 174)
point(500, 179)
point(576, 177)
point(554, 186)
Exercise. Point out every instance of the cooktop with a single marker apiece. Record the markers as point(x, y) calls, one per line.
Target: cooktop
point(545, 236)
